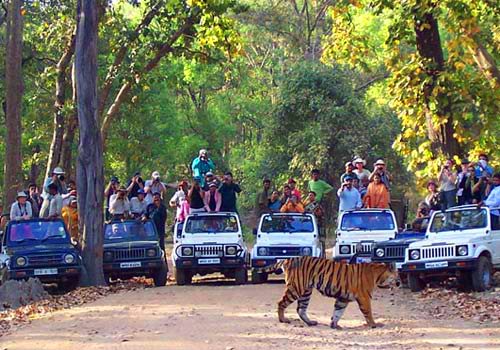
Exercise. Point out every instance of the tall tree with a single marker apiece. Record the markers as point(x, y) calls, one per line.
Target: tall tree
point(90, 177)
point(13, 98)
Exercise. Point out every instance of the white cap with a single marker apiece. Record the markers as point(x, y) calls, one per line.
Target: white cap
point(203, 151)
point(22, 194)
point(155, 175)
point(58, 171)
point(359, 160)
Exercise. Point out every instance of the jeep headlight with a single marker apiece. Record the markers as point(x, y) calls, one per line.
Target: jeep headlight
point(345, 249)
point(187, 251)
point(306, 251)
point(231, 250)
point(151, 252)
point(21, 261)
point(262, 251)
point(414, 254)
point(462, 250)
point(69, 258)
point(380, 252)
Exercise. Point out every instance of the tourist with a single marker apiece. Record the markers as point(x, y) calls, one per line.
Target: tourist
point(493, 201)
point(482, 167)
point(196, 197)
point(119, 205)
point(377, 194)
point(292, 205)
point(293, 188)
point(350, 198)
point(349, 168)
point(212, 199)
point(110, 190)
point(138, 204)
point(179, 201)
point(318, 186)
point(52, 204)
point(262, 206)
point(447, 180)
point(462, 177)
point(433, 199)
point(70, 217)
point(201, 165)
point(380, 168)
point(360, 171)
point(287, 193)
point(21, 208)
point(35, 199)
point(274, 202)
point(157, 212)
point(154, 186)
point(135, 184)
point(56, 178)
point(228, 190)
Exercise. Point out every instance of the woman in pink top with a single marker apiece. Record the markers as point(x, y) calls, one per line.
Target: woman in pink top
point(212, 198)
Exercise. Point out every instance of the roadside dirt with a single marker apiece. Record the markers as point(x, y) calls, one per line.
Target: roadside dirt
point(214, 314)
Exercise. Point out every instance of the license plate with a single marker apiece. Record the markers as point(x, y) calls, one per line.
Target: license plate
point(209, 261)
point(433, 265)
point(361, 260)
point(42, 272)
point(128, 265)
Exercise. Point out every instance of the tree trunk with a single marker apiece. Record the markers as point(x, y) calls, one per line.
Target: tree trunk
point(429, 47)
point(58, 132)
point(485, 62)
point(90, 178)
point(13, 177)
point(69, 134)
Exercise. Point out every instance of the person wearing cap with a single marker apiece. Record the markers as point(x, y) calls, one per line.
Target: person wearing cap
point(293, 187)
point(433, 199)
point(154, 186)
point(21, 208)
point(157, 212)
point(360, 171)
point(119, 205)
point(263, 198)
point(379, 168)
point(318, 186)
point(56, 178)
point(138, 205)
point(447, 185)
point(349, 167)
point(228, 191)
point(52, 205)
point(212, 198)
point(135, 184)
point(201, 165)
point(377, 195)
point(178, 199)
point(292, 205)
point(349, 197)
point(209, 178)
point(111, 189)
point(70, 217)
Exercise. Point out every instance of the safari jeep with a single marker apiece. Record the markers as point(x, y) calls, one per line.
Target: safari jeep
point(358, 230)
point(131, 249)
point(208, 243)
point(40, 248)
point(460, 243)
point(393, 250)
point(282, 236)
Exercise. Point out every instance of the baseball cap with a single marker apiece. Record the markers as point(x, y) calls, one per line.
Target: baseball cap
point(155, 175)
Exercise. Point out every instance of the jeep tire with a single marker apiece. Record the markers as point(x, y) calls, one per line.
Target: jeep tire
point(259, 277)
point(482, 275)
point(415, 283)
point(182, 277)
point(241, 275)
point(160, 276)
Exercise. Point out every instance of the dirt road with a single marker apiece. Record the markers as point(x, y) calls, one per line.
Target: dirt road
point(217, 315)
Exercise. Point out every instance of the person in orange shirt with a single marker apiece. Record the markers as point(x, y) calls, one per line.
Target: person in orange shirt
point(377, 195)
point(292, 205)
point(70, 217)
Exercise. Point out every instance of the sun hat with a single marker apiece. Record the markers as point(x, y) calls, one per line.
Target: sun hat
point(359, 160)
point(209, 173)
point(348, 164)
point(155, 175)
point(380, 162)
point(21, 194)
point(58, 171)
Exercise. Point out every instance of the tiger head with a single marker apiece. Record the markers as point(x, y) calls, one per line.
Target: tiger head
point(384, 274)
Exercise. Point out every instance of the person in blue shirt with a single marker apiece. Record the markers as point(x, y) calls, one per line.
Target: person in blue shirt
point(482, 167)
point(493, 201)
point(201, 165)
point(349, 196)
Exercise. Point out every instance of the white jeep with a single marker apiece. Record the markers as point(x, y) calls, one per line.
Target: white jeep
point(358, 230)
point(460, 242)
point(207, 243)
point(282, 236)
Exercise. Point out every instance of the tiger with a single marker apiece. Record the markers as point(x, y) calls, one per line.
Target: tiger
point(339, 280)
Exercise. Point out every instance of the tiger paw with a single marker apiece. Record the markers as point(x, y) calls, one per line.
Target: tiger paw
point(334, 325)
point(284, 320)
point(312, 323)
point(375, 325)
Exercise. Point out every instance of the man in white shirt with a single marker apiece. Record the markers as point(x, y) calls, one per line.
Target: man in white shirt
point(119, 205)
point(21, 208)
point(493, 201)
point(138, 205)
point(52, 205)
point(154, 186)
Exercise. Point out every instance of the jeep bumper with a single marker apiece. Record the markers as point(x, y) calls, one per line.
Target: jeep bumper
point(129, 269)
point(440, 267)
point(46, 274)
point(215, 264)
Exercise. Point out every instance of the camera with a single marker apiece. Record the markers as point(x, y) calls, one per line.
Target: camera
point(61, 177)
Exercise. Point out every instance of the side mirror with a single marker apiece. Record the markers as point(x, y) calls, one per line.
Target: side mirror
point(254, 231)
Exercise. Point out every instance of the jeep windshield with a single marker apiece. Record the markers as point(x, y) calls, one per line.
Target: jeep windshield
point(459, 220)
point(130, 231)
point(368, 221)
point(211, 224)
point(287, 223)
point(36, 232)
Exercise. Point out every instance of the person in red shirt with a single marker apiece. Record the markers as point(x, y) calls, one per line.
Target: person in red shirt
point(293, 188)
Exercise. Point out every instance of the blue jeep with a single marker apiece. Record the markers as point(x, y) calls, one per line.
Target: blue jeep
point(393, 250)
point(132, 249)
point(43, 249)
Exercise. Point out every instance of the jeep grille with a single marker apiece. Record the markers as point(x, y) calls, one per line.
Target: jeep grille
point(395, 251)
point(209, 250)
point(438, 252)
point(128, 254)
point(366, 248)
point(42, 260)
point(284, 251)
